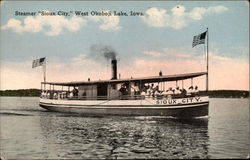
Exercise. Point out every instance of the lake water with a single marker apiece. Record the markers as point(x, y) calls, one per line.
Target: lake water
point(30, 132)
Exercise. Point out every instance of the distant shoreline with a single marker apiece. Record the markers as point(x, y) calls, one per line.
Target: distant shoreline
point(212, 93)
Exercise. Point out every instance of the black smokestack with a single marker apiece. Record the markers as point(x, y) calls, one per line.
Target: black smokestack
point(109, 54)
point(114, 69)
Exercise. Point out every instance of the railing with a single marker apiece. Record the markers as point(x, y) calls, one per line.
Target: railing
point(65, 96)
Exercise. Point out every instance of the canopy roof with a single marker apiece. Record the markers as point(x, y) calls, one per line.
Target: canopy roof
point(152, 79)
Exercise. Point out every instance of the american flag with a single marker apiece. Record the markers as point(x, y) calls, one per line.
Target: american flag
point(199, 39)
point(38, 62)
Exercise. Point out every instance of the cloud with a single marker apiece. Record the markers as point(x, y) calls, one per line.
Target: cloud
point(224, 72)
point(216, 9)
point(180, 53)
point(216, 58)
point(153, 53)
point(173, 53)
point(228, 72)
point(54, 25)
point(197, 13)
point(18, 75)
point(13, 24)
point(21, 75)
point(39, 23)
point(178, 17)
point(78, 68)
point(108, 23)
point(155, 17)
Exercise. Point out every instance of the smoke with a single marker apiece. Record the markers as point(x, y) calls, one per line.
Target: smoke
point(107, 51)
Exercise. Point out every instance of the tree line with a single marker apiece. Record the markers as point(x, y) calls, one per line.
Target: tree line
point(21, 93)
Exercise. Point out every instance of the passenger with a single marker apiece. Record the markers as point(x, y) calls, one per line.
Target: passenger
point(183, 92)
point(64, 95)
point(67, 94)
point(190, 91)
point(173, 91)
point(177, 90)
point(151, 90)
point(169, 91)
point(196, 91)
point(55, 96)
point(47, 94)
point(151, 87)
point(59, 95)
point(154, 90)
point(123, 90)
point(157, 93)
point(160, 73)
point(71, 95)
point(148, 91)
point(144, 88)
point(143, 93)
point(43, 94)
point(135, 89)
point(165, 93)
point(75, 92)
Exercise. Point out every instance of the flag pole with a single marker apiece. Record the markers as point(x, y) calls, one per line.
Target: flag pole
point(44, 73)
point(207, 63)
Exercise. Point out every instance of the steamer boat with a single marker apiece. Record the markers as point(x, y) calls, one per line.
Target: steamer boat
point(145, 96)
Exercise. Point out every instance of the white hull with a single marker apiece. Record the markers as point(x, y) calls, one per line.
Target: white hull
point(180, 107)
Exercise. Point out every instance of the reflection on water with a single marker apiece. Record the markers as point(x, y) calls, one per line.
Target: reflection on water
point(126, 137)
point(29, 132)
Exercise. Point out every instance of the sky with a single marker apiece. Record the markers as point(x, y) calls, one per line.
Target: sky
point(159, 38)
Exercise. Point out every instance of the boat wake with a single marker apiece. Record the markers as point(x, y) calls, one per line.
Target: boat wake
point(202, 117)
point(13, 114)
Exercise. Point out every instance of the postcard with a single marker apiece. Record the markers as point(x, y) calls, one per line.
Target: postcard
point(124, 79)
